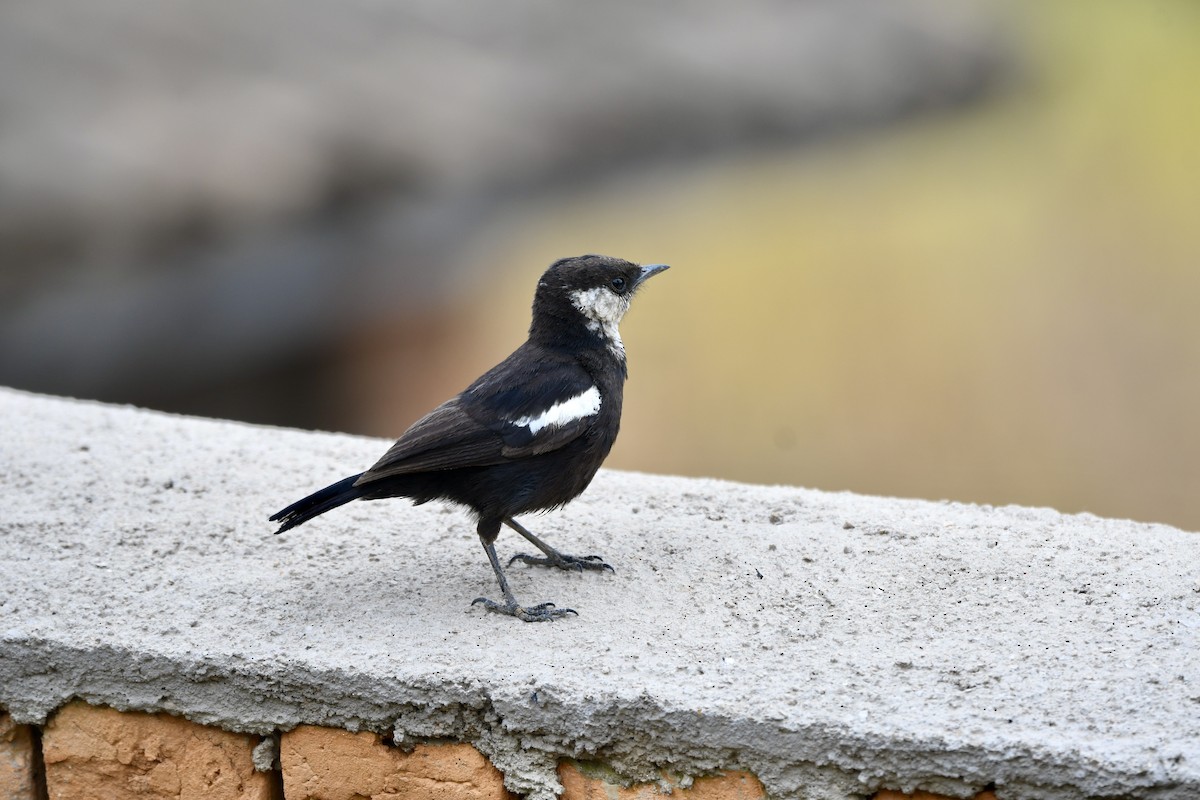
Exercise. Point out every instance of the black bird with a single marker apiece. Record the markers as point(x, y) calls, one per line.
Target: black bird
point(529, 434)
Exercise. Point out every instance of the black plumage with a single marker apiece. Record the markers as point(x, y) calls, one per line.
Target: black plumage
point(529, 434)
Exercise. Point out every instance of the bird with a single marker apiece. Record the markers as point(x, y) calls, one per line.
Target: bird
point(528, 435)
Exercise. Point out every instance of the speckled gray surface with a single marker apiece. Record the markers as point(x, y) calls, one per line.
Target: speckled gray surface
point(831, 643)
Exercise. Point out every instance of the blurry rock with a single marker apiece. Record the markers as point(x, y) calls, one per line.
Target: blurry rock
point(193, 197)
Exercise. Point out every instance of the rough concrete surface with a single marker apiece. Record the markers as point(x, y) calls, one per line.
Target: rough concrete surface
point(830, 644)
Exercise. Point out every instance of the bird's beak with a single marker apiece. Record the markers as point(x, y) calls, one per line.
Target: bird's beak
point(651, 269)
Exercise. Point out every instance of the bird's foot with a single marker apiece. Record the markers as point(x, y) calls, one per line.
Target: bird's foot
point(564, 561)
point(543, 612)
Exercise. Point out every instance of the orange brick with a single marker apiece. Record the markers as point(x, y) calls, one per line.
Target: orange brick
point(892, 794)
point(331, 764)
point(99, 752)
point(731, 785)
point(17, 779)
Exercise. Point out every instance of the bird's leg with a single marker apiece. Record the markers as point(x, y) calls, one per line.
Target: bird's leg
point(553, 558)
point(539, 613)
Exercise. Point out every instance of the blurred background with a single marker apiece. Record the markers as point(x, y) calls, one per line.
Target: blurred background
point(932, 249)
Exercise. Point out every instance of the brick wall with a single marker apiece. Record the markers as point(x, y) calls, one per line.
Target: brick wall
point(89, 751)
point(19, 772)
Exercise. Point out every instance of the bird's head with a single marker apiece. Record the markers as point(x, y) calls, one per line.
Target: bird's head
point(587, 293)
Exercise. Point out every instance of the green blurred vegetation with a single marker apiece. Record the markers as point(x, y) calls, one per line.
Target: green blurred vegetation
point(998, 304)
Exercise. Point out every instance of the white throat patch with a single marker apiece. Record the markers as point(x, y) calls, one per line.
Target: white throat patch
point(581, 405)
point(604, 310)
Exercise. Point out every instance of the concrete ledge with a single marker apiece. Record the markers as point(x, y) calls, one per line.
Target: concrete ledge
point(829, 644)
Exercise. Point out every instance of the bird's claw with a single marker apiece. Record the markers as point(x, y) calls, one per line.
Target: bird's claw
point(564, 561)
point(543, 612)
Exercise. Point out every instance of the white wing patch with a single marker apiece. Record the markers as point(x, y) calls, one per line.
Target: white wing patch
point(581, 405)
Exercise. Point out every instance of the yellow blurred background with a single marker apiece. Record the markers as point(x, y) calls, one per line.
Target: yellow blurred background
point(997, 304)
point(930, 249)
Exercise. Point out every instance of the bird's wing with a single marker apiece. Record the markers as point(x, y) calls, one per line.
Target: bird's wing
point(536, 404)
point(521, 408)
point(445, 438)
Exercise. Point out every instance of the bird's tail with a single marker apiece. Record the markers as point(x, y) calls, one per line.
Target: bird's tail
point(318, 503)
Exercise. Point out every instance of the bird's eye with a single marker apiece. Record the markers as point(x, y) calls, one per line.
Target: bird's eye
point(618, 283)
